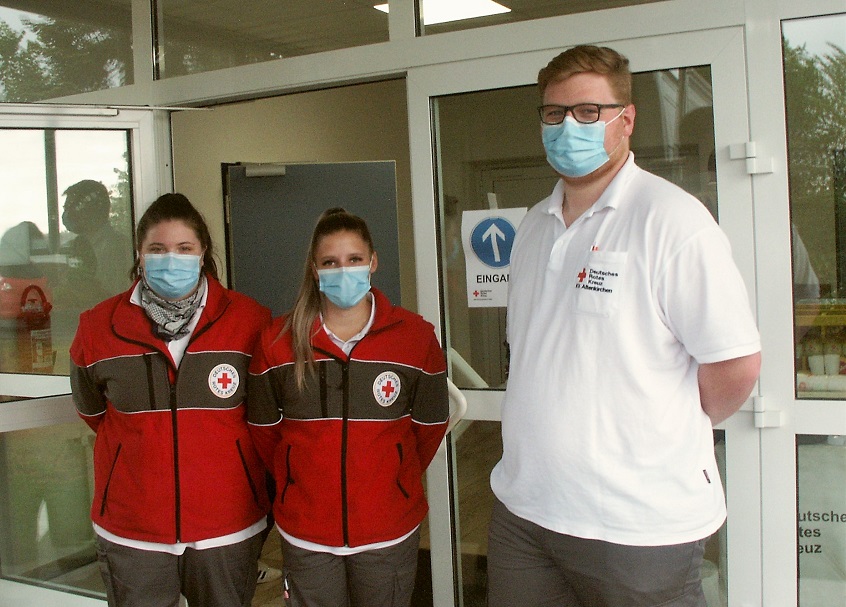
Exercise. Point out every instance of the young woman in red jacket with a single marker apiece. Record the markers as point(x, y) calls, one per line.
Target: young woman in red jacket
point(160, 373)
point(347, 405)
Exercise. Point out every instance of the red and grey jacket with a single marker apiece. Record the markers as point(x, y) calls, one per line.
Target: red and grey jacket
point(173, 457)
point(349, 450)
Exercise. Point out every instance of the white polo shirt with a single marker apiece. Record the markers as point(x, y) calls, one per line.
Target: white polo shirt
point(604, 436)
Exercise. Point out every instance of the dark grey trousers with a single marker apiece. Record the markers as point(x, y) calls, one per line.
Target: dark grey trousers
point(530, 565)
point(376, 578)
point(215, 577)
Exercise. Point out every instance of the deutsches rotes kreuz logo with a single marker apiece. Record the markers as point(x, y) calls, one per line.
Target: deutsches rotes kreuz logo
point(386, 388)
point(223, 380)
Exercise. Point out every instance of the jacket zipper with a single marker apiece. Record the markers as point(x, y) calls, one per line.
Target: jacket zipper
point(289, 479)
point(109, 481)
point(177, 509)
point(246, 468)
point(399, 484)
point(345, 370)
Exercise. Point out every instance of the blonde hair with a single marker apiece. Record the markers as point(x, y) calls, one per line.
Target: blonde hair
point(300, 320)
point(594, 59)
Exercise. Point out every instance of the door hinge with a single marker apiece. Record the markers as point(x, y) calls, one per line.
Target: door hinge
point(757, 162)
point(765, 418)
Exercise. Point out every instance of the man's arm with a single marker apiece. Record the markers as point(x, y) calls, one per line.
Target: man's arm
point(725, 386)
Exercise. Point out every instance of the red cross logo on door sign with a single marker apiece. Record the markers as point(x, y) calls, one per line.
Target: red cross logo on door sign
point(223, 380)
point(387, 388)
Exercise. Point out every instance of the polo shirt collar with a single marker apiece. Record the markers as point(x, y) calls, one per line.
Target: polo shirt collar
point(610, 198)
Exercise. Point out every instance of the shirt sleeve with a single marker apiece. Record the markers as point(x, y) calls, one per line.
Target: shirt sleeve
point(704, 300)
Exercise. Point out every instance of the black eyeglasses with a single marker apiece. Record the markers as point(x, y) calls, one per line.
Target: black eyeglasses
point(586, 113)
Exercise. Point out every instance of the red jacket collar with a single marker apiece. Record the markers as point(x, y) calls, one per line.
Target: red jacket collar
point(385, 316)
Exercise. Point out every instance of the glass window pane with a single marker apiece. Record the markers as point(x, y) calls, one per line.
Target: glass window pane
point(46, 536)
point(478, 447)
point(65, 239)
point(201, 35)
point(821, 520)
point(814, 81)
point(68, 48)
point(481, 13)
point(490, 152)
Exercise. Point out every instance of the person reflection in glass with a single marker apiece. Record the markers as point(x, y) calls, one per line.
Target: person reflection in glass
point(86, 214)
point(45, 468)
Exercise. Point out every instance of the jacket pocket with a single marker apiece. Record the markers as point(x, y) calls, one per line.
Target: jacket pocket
point(399, 471)
point(109, 479)
point(250, 480)
point(289, 480)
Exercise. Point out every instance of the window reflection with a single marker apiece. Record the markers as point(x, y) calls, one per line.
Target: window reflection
point(66, 48)
point(196, 36)
point(821, 520)
point(45, 529)
point(814, 64)
point(65, 239)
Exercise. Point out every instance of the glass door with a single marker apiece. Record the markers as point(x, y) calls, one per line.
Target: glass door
point(488, 163)
point(71, 176)
point(814, 80)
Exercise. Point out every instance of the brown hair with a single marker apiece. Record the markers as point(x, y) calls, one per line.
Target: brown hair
point(595, 59)
point(307, 306)
point(175, 207)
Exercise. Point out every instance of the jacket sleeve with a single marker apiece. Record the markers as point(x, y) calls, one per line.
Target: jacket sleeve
point(263, 404)
point(430, 408)
point(88, 397)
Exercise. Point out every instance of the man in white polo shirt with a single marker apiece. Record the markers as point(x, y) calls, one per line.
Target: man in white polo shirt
point(631, 335)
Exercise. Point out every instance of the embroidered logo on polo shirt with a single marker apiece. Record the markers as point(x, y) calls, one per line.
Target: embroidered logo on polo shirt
point(387, 388)
point(223, 380)
point(601, 281)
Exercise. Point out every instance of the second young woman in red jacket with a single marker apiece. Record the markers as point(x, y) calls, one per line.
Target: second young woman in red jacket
point(347, 405)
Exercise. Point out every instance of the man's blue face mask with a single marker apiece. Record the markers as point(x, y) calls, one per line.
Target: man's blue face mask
point(575, 149)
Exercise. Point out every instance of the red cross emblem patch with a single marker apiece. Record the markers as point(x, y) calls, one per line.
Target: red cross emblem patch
point(386, 388)
point(224, 380)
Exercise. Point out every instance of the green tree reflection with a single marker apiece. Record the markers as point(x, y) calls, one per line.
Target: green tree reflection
point(816, 144)
point(51, 59)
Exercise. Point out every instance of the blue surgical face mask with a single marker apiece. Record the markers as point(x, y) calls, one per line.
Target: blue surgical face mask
point(345, 287)
point(172, 275)
point(575, 149)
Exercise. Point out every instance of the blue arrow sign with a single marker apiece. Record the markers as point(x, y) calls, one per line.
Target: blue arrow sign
point(491, 241)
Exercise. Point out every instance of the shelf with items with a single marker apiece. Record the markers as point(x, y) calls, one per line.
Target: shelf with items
point(821, 314)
